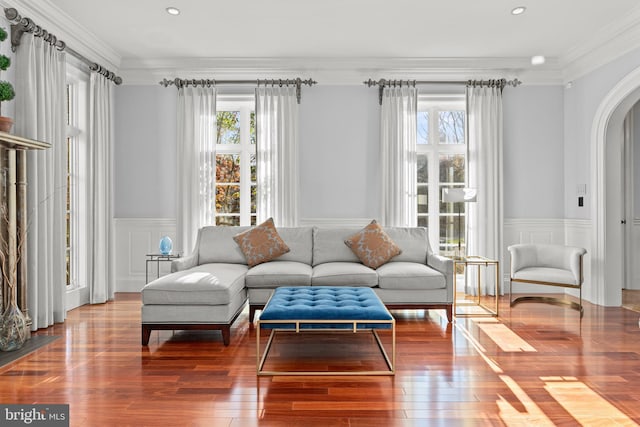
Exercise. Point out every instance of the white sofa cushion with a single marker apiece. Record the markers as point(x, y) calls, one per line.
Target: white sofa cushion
point(278, 273)
point(414, 243)
point(191, 313)
point(208, 284)
point(409, 275)
point(300, 242)
point(328, 245)
point(546, 274)
point(216, 245)
point(343, 274)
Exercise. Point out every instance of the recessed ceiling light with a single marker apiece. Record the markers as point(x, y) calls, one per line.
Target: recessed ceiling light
point(173, 11)
point(518, 10)
point(537, 60)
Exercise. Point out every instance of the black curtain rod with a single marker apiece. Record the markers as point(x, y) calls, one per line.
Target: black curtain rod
point(382, 83)
point(297, 82)
point(20, 25)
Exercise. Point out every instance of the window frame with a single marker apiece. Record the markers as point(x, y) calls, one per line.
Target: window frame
point(433, 151)
point(246, 105)
point(77, 144)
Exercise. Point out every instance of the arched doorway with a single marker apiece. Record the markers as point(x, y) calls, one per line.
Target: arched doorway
point(606, 209)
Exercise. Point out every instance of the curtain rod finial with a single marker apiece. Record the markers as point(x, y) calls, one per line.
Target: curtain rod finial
point(11, 14)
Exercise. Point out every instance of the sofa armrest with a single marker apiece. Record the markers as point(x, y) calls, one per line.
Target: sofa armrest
point(575, 263)
point(445, 266)
point(184, 262)
point(441, 263)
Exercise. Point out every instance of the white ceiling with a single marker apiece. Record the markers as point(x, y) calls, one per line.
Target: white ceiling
point(140, 31)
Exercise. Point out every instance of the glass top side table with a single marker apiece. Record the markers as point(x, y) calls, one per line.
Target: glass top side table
point(478, 304)
point(157, 258)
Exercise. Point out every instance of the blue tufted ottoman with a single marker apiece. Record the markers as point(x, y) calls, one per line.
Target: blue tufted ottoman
point(328, 309)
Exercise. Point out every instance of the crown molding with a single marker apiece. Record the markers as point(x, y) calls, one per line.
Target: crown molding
point(606, 45)
point(609, 43)
point(46, 14)
point(337, 70)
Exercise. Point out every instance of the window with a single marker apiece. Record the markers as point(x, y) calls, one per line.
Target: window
point(441, 164)
point(77, 122)
point(236, 162)
point(72, 196)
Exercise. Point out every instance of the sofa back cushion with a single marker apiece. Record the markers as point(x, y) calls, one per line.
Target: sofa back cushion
point(300, 242)
point(413, 241)
point(216, 244)
point(541, 255)
point(328, 245)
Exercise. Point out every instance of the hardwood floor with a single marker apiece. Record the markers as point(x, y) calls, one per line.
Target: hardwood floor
point(534, 365)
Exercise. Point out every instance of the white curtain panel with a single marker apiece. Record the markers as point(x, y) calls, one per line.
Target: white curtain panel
point(485, 217)
point(100, 205)
point(398, 139)
point(277, 155)
point(40, 114)
point(196, 169)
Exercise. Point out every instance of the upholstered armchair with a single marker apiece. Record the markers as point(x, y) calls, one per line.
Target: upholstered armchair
point(550, 265)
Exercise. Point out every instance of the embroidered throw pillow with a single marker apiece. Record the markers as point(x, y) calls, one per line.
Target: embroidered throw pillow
point(261, 243)
point(372, 245)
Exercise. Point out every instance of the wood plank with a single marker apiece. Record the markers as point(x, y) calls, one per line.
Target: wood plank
point(446, 374)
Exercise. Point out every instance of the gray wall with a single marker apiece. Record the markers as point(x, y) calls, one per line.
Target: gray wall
point(145, 152)
point(533, 152)
point(339, 152)
point(582, 100)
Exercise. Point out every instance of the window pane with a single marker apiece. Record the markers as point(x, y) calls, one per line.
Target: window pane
point(254, 195)
point(228, 198)
point(423, 221)
point(252, 127)
point(423, 199)
point(227, 168)
point(228, 127)
point(452, 169)
point(423, 171)
point(253, 163)
point(423, 127)
point(451, 232)
point(227, 220)
point(451, 127)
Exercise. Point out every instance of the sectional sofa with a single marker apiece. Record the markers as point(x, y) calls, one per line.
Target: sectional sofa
point(209, 288)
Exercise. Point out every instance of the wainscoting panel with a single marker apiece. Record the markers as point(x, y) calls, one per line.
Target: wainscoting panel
point(578, 233)
point(134, 239)
point(335, 222)
point(541, 231)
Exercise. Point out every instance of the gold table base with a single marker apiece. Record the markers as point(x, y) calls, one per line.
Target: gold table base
point(260, 361)
point(483, 309)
